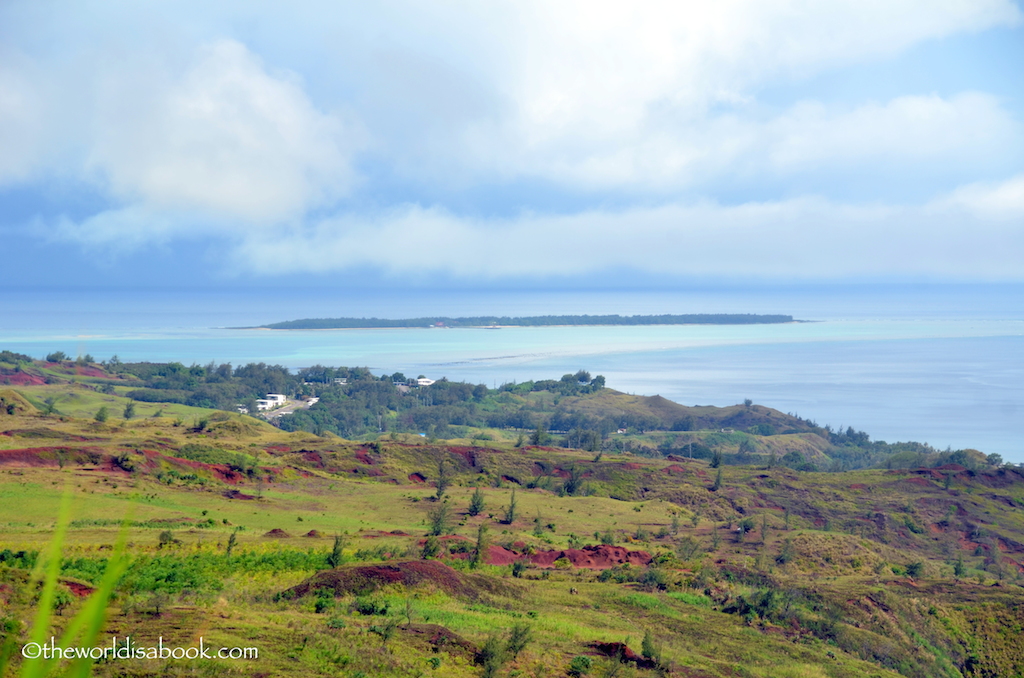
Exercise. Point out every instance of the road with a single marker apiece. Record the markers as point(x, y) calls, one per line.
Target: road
point(289, 407)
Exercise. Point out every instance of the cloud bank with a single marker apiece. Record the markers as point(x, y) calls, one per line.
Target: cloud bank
point(512, 139)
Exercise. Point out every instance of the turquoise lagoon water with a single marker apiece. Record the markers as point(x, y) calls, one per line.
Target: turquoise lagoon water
point(939, 366)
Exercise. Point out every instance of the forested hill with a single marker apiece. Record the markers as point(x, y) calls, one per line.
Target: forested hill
point(530, 321)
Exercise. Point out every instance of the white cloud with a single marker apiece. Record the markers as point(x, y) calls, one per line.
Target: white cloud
point(606, 94)
point(974, 233)
point(906, 129)
point(125, 229)
point(1001, 202)
point(190, 135)
point(227, 138)
point(21, 123)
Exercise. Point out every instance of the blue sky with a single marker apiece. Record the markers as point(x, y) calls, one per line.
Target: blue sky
point(468, 143)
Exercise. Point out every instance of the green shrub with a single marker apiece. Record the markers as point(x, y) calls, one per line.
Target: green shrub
point(371, 606)
point(580, 666)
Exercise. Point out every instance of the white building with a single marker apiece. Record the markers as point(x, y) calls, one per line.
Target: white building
point(273, 400)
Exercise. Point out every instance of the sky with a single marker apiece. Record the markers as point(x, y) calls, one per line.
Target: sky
point(502, 143)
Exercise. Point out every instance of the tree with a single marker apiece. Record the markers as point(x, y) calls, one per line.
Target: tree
point(650, 649)
point(386, 630)
point(129, 410)
point(747, 448)
point(443, 478)
point(431, 547)
point(574, 482)
point(439, 517)
point(51, 405)
point(746, 525)
point(718, 481)
point(476, 503)
point(56, 357)
point(62, 598)
point(102, 414)
point(540, 436)
point(716, 459)
point(493, 656)
point(518, 638)
point(480, 551)
point(687, 547)
point(510, 510)
point(337, 555)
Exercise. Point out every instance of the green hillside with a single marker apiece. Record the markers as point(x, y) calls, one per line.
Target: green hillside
point(602, 562)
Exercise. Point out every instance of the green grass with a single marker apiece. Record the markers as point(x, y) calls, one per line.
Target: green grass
point(845, 571)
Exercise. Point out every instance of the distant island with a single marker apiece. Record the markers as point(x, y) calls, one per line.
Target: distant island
point(528, 321)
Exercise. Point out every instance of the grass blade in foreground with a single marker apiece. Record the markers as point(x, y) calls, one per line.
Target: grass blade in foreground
point(85, 627)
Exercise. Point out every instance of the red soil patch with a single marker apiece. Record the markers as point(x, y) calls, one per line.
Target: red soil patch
point(313, 458)
point(80, 590)
point(30, 456)
point(923, 482)
point(235, 494)
point(632, 466)
point(277, 533)
point(363, 457)
point(417, 478)
point(21, 379)
point(496, 555)
point(599, 557)
point(316, 534)
point(439, 638)
point(622, 651)
point(511, 479)
point(674, 469)
point(858, 486)
point(374, 534)
point(280, 449)
point(469, 454)
point(538, 448)
point(219, 471)
point(90, 372)
point(368, 578)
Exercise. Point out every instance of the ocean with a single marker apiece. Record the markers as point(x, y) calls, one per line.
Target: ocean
point(937, 364)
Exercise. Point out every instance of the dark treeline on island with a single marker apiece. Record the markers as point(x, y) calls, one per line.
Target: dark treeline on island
point(530, 321)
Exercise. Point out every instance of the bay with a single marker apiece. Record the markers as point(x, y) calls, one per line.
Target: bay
point(938, 365)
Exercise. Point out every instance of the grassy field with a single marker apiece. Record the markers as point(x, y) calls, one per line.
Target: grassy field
point(866, 573)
